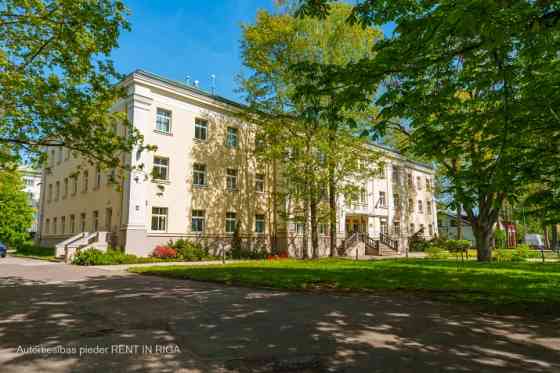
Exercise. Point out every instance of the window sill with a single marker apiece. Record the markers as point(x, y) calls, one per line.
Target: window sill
point(232, 189)
point(200, 141)
point(163, 133)
point(161, 181)
point(200, 186)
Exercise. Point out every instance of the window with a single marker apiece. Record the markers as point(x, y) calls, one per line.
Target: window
point(161, 168)
point(200, 129)
point(382, 200)
point(409, 180)
point(95, 222)
point(430, 230)
point(55, 222)
point(199, 174)
point(397, 228)
point(53, 156)
point(65, 188)
point(422, 228)
point(28, 181)
point(47, 226)
point(57, 191)
point(163, 121)
point(97, 177)
point(410, 205)
point(412, 228)
point(231, 139)
point(300, 227)
point(159, 219)
point(259, 223)
point(63, 224)
point(108, 219)
point(231, 179)
point(381, 171)
point(67, 156)
point(231, 222)
point(74, 185)
point(420, 209)
point(60, 150)
point(85, 181)
point(83, 222)
point(363, 196)
point(428, 184)
point(259, 183)
point(397, 201)
point(384, 227)
point(396, 175)
point(72, 223)
point(418, 183)
point(198, 221)
point(111, 176)
point(323, 228)
point(429, 207)
point(49, 194)
point(259, 143)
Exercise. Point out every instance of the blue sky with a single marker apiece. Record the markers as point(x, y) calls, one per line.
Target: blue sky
point(175, 38)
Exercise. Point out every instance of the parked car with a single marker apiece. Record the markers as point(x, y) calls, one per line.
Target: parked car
point(3, 250)
point(535, 241)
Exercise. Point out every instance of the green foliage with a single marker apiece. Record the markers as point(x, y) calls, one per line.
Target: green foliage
point(91, 256)
point(57, 83)
point(190, 251)
point(436, 252)
point(468, 78)
point(29, 249)
point(519, 254)
point(16, 214)
point(500, 236)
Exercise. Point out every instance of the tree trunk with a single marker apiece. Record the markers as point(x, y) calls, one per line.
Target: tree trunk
point(314, 233)
point(484, 236)
point(554, 236)
point(459, 223)
point(546, 241)
point(332, 212)
point(305, 245)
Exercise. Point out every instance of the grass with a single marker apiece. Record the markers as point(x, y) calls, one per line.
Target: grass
point(497, 283)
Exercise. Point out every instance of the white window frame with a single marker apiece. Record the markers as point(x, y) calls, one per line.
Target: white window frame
point(199, 174)
point(260, 223)
point(231, 179)
point(163, 118)
point(231, 222)
point(382, 199)
point(200, 129)
point(159, 168)
point(259, 183)
point(198, 221)
point(159, 219)
point(232, 137)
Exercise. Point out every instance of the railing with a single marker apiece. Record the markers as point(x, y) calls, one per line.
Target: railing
point(388, 241)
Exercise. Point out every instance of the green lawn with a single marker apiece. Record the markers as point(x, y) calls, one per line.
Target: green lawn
point(503, 283)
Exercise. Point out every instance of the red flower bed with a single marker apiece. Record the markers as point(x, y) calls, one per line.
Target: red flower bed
point(164, 252)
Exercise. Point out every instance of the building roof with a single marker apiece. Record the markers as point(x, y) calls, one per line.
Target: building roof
point(240, 105)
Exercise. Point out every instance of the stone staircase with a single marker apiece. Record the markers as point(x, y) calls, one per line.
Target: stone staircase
point(358, 244)
point(70, 246)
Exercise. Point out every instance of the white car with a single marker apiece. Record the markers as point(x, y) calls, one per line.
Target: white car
point(535, 241)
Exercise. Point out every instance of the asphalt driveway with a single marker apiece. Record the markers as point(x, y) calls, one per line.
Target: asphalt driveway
point(60, 318)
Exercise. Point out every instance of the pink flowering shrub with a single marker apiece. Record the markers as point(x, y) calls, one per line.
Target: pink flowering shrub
point(164, 252)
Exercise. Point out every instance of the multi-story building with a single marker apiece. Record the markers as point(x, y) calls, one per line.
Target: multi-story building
point(204, 180)
point(32, 187)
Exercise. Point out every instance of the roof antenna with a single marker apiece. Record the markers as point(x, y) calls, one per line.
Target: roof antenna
point(188, 80)
point(213, 78)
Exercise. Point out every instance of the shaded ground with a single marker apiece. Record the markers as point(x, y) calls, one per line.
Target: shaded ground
point(221, 328)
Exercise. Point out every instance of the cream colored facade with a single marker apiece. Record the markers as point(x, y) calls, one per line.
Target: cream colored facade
point(201, 181)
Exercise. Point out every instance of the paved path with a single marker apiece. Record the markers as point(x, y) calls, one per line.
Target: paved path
point(238, 329)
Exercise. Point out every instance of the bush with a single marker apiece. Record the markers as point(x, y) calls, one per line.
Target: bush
point(93, 256)
point(31, 250)
point(164, 252)
point(280, 255)
point(436, 252)
point(190, 251)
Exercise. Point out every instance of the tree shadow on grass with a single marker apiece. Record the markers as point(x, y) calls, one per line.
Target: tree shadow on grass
point(250, 330)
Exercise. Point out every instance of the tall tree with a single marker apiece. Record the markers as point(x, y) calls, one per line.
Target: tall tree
point(465, 75)
point(292, 123)
point(57, 84)
point(16, 214)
